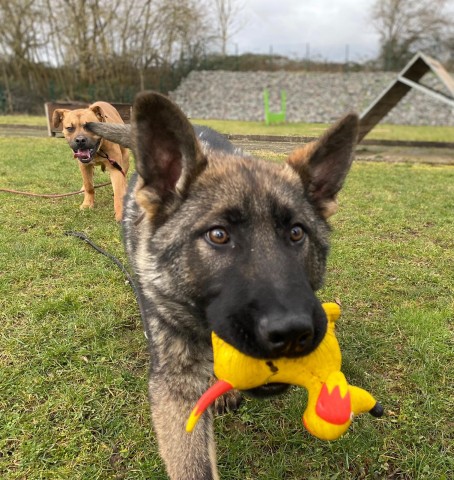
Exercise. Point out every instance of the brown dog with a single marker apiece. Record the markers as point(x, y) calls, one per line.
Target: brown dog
point(92, 150)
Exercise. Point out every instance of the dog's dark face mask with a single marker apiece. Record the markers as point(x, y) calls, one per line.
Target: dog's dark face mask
point(265, 320)
point(262, 251)
point(260, 262)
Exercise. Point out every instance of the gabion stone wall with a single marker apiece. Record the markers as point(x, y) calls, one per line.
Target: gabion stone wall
point(311, 97)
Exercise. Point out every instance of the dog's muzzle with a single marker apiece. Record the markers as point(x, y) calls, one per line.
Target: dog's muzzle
point(83, 151)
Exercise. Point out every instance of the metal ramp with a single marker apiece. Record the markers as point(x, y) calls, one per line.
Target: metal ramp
point(407, 79)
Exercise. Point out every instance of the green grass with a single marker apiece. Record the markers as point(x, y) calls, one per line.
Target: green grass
point(380, 132)
point(31, 120)
point(73, 361)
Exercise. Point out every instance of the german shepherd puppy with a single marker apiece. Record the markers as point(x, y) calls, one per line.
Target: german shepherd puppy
point(220, 241)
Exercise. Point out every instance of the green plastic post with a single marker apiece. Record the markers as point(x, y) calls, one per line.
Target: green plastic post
point(274, 117)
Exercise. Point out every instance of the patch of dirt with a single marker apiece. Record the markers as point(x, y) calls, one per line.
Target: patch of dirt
point(372, 153)
point(22, 131)
point(431, 156)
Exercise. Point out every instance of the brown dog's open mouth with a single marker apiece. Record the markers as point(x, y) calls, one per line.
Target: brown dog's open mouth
point(85, 155)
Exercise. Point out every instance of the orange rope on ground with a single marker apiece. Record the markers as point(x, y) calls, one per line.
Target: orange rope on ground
point(48, 195)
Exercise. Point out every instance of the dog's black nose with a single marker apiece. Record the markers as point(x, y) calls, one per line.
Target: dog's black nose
point(81, 141)
point(286, 335)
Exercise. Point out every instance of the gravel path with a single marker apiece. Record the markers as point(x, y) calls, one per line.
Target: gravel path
point(373, 153)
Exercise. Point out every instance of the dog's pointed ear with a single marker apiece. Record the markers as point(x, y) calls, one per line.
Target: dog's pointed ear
point(168, 155)
point(57, 117)
point(113, 132)
point(99, 112)
point(324, 164)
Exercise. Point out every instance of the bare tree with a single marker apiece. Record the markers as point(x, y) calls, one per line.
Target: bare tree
point(98, 49)
point(183, 29)
point(21, 40)
point(138, 35)
point(406, 26)
point(227, 20)
point(83, 29)
point(19, 34)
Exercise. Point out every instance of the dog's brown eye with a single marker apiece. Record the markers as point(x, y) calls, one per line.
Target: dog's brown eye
point(218, 236)
point(70, 129)
point(296, 233)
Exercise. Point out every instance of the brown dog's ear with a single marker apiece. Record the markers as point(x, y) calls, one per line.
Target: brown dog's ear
point(168, 156)
point(98, 111)
point(324, 164)
point(57, 117)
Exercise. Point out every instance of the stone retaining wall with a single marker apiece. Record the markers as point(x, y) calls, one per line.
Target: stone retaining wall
point(311, 97)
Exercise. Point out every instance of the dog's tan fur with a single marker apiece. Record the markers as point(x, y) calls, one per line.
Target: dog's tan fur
point(73, 123)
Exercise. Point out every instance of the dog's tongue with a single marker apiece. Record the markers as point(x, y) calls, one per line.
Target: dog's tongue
point(82, 154)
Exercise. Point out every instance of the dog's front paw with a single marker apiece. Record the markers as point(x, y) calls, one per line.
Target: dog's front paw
point(85, 205)
point(229, 402)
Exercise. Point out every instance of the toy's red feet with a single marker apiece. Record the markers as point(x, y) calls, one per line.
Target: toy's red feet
point(216, 390)
point(333, 407)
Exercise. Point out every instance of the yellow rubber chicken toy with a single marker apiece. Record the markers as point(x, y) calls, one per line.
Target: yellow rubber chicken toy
point(332, 402)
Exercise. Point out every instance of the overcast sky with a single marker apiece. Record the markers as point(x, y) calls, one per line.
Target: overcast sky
point(294, 27)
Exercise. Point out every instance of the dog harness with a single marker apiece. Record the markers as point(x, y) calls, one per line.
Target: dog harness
point(114, 163)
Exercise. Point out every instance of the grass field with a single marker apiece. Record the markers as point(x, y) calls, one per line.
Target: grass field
point(73, 360)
